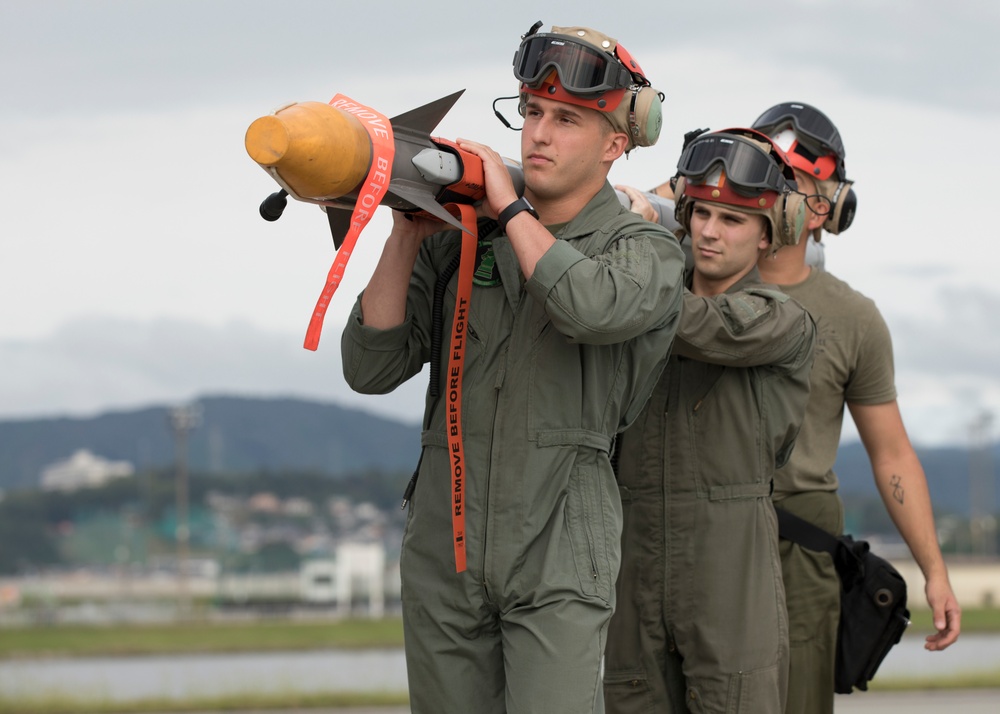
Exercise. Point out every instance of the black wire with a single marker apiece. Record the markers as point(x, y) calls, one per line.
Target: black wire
point(484, 226)
point(501, 117)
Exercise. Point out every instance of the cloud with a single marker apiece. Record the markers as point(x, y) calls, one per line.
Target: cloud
point(136, 268)
point(946, 365)
point(96, 364)
point(111, 54)
point(961, 336)
point(915, 50)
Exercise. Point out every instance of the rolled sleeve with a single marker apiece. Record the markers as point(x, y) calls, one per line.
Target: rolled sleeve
point(744, 328)
point(377, 361)
point(551, 267)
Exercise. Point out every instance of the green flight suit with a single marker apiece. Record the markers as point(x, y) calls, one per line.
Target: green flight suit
point(555, 366)
point(701, 623)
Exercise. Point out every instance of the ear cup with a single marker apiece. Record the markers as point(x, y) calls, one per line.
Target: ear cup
point(646, 116)
point(793, 218)
point(845, 205)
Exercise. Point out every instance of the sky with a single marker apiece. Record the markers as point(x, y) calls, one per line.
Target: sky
point(136, 270)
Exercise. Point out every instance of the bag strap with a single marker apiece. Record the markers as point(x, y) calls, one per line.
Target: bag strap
point(801, 531)
point(848, 563)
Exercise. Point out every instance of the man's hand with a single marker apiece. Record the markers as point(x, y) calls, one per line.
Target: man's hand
point(414, 227)
point(947, 614)
point(528, 236)
point(640, 203)
point(500, 191)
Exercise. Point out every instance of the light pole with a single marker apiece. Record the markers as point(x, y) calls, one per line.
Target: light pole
point(982, 520)
point(182, 420)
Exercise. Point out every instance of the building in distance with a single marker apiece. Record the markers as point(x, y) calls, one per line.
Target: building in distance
point(83, 470)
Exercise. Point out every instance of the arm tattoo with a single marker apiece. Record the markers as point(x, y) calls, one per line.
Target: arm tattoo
point(897, 488)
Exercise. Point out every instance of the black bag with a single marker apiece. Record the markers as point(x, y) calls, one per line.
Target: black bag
point(873, 614)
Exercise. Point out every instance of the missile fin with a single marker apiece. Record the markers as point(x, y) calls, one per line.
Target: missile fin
point(425, 118)
point(340, 222)
point(425, 202)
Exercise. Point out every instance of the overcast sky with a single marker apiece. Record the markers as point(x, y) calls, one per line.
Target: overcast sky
point(135, 268)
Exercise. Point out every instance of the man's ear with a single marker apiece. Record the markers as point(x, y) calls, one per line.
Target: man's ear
point(766, 240)
point(617, 143)
point(815, 221)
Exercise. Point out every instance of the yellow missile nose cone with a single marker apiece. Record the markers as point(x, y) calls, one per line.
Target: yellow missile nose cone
point(319, 152)
point(267, 140)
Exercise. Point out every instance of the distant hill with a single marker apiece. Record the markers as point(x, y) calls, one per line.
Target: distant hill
point(242, 435)
point(233, 434)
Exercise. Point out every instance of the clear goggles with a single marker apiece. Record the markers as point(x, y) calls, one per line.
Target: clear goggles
point(582, 69)
point(811, 125)
point(749, 169)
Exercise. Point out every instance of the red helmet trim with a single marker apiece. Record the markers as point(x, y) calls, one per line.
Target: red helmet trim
point(607, 102)
point(723, 194)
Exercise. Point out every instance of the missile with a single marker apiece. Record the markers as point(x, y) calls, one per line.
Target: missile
point(318, 153)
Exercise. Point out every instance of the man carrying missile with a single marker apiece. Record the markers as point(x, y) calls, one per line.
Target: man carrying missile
point(570, 319)
point(700, 624)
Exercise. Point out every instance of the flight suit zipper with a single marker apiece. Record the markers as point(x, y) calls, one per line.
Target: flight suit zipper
point(501, 375)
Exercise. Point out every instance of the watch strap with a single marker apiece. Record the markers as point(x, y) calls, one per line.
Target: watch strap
point(513, 209)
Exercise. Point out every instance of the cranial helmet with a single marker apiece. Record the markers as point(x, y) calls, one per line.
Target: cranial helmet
point(584, 67)
point(814, 147)
point(745, 170)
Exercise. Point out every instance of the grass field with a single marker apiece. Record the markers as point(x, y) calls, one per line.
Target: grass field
point(285, 701)
point(198, 637)
point(274, 635)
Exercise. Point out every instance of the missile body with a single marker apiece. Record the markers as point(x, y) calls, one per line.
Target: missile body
point(321, 154)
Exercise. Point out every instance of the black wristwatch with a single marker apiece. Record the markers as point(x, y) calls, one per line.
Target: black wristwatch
point(513, 209)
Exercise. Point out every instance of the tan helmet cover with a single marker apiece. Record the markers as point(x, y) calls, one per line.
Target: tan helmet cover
point(592, 37)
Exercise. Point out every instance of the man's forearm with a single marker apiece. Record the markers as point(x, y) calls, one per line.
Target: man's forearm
point(383, 304)
point(902, 485)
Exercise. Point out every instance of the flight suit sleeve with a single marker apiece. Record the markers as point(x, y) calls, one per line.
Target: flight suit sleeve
point(746, 328)
point(377, 361)
point(632, 288)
